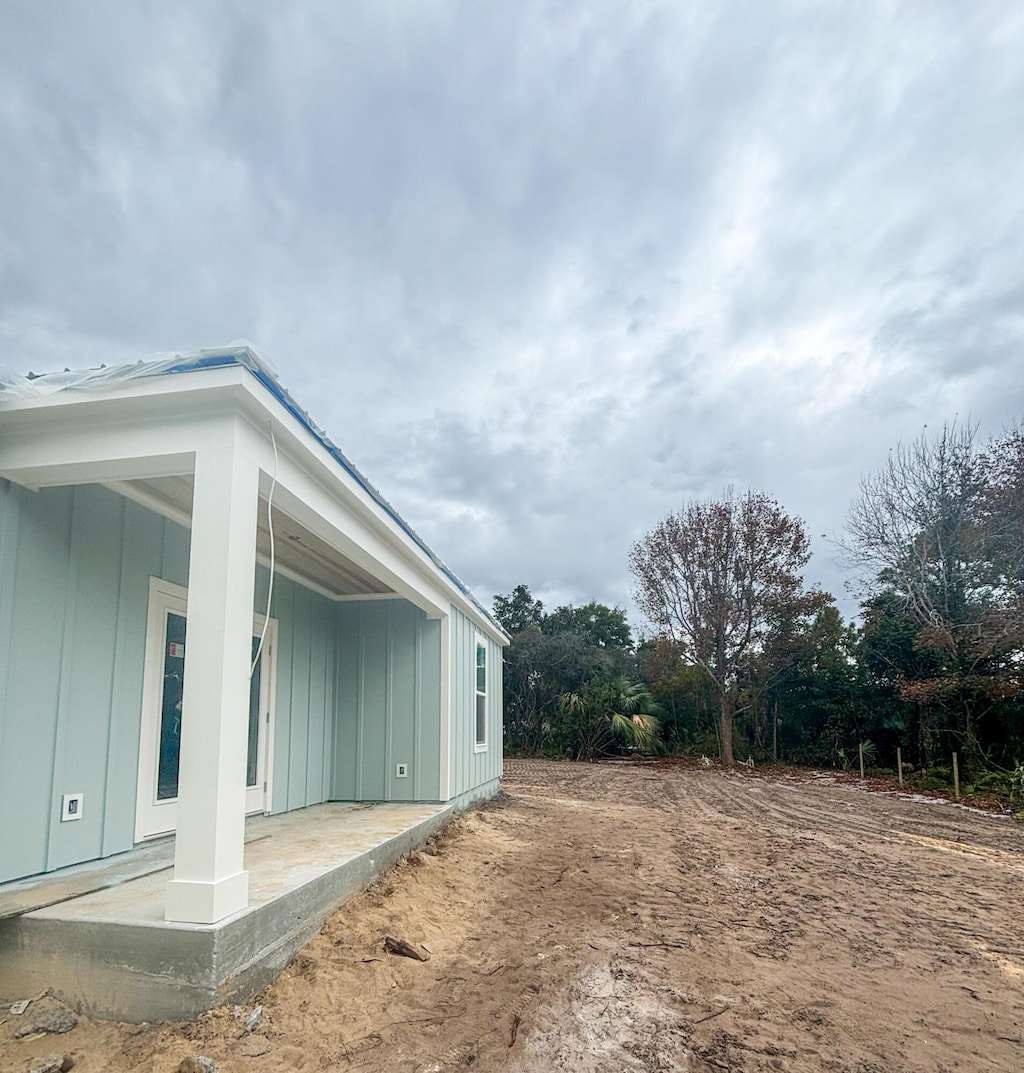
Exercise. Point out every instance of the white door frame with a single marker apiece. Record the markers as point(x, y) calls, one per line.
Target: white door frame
point(154, 818)
point(258, 798)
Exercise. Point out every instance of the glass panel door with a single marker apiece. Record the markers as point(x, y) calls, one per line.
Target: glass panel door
point(252, 764)
point(170, 708)
point(160, 744)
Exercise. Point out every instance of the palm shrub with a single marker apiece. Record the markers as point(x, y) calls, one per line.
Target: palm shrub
point(606, 715)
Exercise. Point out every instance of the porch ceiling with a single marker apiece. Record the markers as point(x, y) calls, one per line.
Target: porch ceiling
point(295, 548)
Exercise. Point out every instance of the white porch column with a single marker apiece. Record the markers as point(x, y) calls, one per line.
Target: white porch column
point(209, 880)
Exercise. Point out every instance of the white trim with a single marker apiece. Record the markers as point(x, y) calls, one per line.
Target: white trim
point(293, 575)
point(165, 596)
point(356, 597)
point(479, 641)
point(268, 719)
point(151, 502)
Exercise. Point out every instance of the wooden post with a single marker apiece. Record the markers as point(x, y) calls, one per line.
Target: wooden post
point(775, 732)
point(861, 749)
point(899, 764)
point(956, 777)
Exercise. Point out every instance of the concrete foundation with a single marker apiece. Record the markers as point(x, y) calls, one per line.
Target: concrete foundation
point(109, 953)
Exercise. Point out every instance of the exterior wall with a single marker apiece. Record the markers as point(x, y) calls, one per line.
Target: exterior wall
point(75, 565)
point(357, 683)
point(388, 702)
point(304, 695)
point(468, 767)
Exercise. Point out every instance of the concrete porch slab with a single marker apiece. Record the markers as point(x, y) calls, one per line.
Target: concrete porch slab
point(110, 953)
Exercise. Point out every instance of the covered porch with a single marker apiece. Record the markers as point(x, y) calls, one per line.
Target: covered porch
point(104, 946)
point(258, 494)
point(189, 820)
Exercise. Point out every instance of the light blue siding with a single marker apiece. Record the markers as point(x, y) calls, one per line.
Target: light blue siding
point(304, 695)
point(75, 565)
point(92, 598)
point(146, 534)
point(74, 582)
point(388, 703)
point(470, 768)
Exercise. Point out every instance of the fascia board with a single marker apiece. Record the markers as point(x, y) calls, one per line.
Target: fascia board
point(70, 426)
point(98, 442)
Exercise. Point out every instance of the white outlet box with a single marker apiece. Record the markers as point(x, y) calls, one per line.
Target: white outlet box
point(401, 771)
point(71, 806)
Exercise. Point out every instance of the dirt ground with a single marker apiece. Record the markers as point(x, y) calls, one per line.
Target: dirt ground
point(656, 918)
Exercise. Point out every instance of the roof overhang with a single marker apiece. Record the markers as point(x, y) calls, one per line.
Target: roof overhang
point(138, 429)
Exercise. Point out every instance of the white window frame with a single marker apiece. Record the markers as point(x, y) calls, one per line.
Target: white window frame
point(479, 641)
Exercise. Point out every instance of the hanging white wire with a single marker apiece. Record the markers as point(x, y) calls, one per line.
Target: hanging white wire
point(270, 587)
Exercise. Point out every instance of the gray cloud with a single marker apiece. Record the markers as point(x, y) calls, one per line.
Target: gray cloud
point(545, 271)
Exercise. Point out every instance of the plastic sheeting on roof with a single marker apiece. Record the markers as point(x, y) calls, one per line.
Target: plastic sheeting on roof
point(14, 387)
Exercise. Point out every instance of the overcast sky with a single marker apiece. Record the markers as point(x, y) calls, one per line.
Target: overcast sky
point(544, 270)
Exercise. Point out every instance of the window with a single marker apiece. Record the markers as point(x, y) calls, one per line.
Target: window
point(481, 694)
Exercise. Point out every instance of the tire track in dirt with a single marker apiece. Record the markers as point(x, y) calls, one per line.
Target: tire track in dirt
point(605, 918)
point(873, 906)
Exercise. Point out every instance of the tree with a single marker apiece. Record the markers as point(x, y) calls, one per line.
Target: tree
point(1002, 511)
point(913, 526)
point(603, 626)
point(684, 693)
point(518, 611)
point(552, 656)
point(936, 532)
point(825, 700)
point(723, 579)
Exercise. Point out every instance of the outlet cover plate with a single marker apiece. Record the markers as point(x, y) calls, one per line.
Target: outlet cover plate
point(71, 806)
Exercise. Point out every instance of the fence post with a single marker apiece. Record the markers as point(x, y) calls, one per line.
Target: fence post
point(861, 749)
point(956, 777)
point(899, 764)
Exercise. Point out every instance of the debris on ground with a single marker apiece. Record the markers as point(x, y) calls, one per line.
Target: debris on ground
point(404, 949)
point(197, 1063)
point(54, 1021)
point(253, 1020)
point(52, 1063)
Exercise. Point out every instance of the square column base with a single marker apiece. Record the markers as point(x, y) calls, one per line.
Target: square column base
point(198, 902)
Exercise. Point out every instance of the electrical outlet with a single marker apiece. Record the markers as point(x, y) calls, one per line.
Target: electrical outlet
point(71, 806)
point(401, 771)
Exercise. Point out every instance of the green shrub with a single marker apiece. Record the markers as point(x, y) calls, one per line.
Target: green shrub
point(933, 778)
point(1004, 786)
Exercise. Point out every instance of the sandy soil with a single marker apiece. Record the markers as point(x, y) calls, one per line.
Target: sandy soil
point(657, 918)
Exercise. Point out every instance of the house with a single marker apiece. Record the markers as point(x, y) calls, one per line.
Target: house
point(208, 614)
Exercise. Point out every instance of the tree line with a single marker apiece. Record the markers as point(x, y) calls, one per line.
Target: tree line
point(744, 660)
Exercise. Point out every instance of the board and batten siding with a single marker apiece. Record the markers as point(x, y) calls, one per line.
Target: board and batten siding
point(388, 702)
point(75, 565)
point(304, 693)
point(470, 768)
